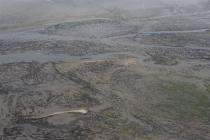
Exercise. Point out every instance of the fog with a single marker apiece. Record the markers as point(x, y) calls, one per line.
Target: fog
point(17, 13)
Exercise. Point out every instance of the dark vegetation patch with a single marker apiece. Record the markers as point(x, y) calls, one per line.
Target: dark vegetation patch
point(54, 29)
point(184, 101)
point(163, 60)
point(179, 53)
point(175, 39)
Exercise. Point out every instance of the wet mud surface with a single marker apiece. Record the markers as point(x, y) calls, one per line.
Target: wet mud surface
point(139, 80)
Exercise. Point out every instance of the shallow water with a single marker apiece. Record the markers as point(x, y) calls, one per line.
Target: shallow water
point(42, 57)
point(176, 32)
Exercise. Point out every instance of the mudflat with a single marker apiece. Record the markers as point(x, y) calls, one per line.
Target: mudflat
point(135, 78)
